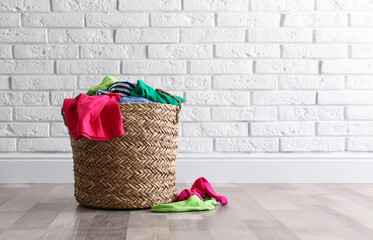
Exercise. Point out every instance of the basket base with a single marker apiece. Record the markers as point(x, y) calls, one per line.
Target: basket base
point(112, 209)
point(111, 202)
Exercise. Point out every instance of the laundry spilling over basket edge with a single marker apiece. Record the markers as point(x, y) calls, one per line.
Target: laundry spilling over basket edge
point(124, 139)
point(96, 115)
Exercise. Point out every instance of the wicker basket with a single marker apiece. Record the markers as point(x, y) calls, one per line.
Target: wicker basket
point(136, 170)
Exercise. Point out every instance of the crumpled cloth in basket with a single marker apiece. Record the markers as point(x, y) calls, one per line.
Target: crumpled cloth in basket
point(95, 117)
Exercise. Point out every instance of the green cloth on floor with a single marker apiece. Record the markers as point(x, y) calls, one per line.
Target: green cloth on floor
point(105, 84)
point(143, 90)
point(192, 204)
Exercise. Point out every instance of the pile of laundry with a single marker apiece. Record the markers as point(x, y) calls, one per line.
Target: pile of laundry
point(198, 198)
point(96, 115)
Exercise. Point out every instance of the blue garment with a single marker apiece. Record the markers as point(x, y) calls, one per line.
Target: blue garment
point(122, 88)
point(134, 100)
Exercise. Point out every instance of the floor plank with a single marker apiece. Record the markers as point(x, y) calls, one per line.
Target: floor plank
point(254, 212)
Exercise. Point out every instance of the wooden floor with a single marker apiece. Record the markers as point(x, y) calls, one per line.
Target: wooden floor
point(255, 211)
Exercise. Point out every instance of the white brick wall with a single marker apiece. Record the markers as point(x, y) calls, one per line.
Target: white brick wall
point(257, 75)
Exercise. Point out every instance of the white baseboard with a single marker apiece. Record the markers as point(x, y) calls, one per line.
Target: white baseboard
point(217, 168)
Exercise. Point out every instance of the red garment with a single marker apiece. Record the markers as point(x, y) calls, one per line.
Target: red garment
point(201, 187)
point(95, 117)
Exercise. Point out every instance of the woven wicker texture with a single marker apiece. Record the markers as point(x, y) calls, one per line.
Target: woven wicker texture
point(136, 170)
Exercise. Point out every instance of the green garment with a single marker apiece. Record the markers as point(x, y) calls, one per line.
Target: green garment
point(105, 84)
point(143, 90)
point(192, 204)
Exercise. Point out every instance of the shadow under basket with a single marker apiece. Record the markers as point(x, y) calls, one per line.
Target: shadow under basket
point(136, 170)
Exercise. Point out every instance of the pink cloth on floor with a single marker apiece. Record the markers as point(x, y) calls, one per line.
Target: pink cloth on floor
point(200, 188)
point(95, 117)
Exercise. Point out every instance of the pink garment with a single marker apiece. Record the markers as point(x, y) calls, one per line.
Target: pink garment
point(200, 188)
point(95, 117)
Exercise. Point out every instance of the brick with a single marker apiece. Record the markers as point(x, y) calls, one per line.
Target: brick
point(146, 35)
point(315, 19)
point(213, 35)
point(314, 51)
point(180, 51)
point(182, 19)
point(360, 112)
point(345, 97)
point(344, 5)
point(311, 113)
point(344, 35)
point(280, 35)
point(9, 19)
point(25, 66)
point(249, 19)
point(22, 35)
point(217, 98)
point(345, 128)
point(5, 114)
point(284, 97)
point(80, 35)
point(87, 67)
point(287, 66)
point(247, 51)
point(221, 66)
point(36, 114)
point(244, 114)
point(149, 5)
point(244, 82)
point(362, 51)
point(43, 82)
point(363, 144)
point(7, 144)
point(57, 98)
point(4, 82)
point(85, 82)
point(59, 130)
point(5, 51)
point(24, 6)
point(53, 20)
point(113, 51)
point(312, 144)
point(332, 128)
point(154, 67)
point(84, 5)
point(45, 51)
point(247, 144)
point(179, 82)
point(24, 98)
point(116, 19)
point(195, 145)
point(217, 5)
point(282, 5)
point(282, 128)
point(347, 66)
point(359, 82)
point(361, 19)
point(44, 145)
point(180, 130)
point(24, 129)
point(191, 114)
point(311, 82)
point(215, 129)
